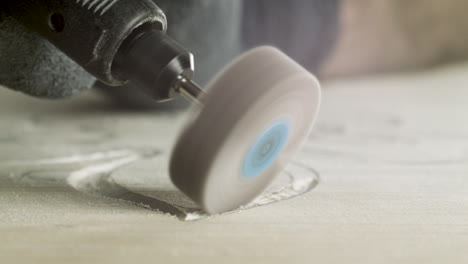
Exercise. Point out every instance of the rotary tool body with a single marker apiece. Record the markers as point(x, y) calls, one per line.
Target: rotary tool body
point(115, 41)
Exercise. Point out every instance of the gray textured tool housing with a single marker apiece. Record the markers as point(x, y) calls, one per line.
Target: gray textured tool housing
point(89, 32)
point(32, 65)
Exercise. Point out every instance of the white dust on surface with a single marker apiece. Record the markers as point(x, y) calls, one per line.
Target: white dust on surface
point(92, 174)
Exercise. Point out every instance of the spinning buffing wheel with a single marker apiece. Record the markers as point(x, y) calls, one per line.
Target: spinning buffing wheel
point(256, 115)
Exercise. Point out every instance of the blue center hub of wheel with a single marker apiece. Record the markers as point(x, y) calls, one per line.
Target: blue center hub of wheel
point(266, 149)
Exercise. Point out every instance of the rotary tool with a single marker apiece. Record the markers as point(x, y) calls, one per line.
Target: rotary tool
point(115, 41)
point(256, 115)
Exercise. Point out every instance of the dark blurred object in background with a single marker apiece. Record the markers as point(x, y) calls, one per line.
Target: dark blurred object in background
point(306, 30)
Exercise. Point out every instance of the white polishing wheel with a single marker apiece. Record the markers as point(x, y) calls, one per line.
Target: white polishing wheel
point(256, 115)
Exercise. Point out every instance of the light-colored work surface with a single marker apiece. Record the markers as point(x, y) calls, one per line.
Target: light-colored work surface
point(392, 154)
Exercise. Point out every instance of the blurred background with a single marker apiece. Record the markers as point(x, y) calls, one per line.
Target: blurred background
point(361, 37)
point(397, 35)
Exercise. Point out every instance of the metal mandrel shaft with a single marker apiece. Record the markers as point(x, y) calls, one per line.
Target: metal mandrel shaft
point(190, 90)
